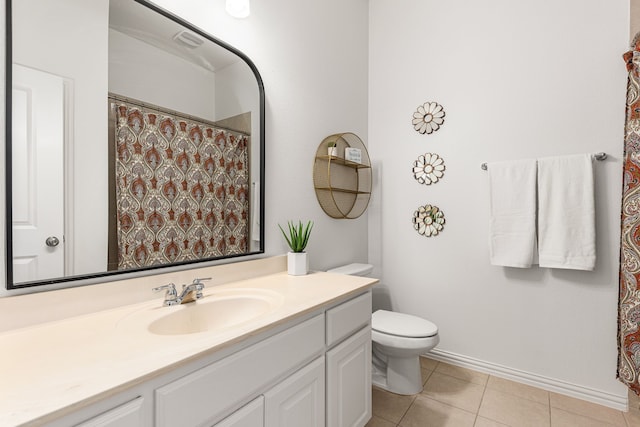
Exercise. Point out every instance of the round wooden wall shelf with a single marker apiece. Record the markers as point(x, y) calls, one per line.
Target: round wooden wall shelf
point(342, 183)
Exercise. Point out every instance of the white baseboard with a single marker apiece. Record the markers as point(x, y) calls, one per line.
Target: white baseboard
point(550, 384)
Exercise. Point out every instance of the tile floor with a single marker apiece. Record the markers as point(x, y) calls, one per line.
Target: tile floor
point(460, 397)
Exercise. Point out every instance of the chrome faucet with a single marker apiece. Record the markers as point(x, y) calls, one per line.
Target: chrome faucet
point(195, 288)
point(189, 293)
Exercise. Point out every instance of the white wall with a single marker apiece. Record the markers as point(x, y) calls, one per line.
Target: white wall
point(522, 79)
point(312, 56)
point(634, 25)
point(146, 73)
point(237, 93)
point(36, 32)
point(316, 84)
point(236, 89)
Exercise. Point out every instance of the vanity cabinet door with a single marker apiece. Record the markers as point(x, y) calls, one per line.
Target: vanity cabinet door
point(250, 415)
point(349, 381)
point(298, 400)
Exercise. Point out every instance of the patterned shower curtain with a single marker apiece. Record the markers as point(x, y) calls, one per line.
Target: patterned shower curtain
point(629, 298)
point(181, 188)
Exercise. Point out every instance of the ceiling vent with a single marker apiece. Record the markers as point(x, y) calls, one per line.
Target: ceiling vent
point(188, 39)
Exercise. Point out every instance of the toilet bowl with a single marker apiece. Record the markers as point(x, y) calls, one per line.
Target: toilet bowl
point(398, 340)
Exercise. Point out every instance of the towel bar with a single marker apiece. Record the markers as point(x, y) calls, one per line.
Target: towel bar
point(597, 156)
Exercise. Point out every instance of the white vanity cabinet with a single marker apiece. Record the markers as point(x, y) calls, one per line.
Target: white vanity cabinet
point(310, 371)
point(348, 363)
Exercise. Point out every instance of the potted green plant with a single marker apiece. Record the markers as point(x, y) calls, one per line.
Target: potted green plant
point(332, 149)
point(297, 237)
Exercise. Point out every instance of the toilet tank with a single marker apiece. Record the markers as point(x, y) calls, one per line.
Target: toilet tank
point(355, 269)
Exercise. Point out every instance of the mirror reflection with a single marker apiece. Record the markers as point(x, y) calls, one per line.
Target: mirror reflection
point(137, 142)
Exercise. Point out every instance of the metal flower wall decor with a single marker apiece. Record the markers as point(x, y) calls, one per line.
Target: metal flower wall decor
point(428, 169)
point(428, 220)
point(428, 118)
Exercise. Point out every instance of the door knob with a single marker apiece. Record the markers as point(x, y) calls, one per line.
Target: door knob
point(52, 241)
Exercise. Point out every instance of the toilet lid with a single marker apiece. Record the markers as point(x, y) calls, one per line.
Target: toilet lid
point(400, 324)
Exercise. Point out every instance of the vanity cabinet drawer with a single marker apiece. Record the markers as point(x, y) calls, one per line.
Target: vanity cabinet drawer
point(250, 415)
point(127, 415)
point(347, 318)
point(205, 396)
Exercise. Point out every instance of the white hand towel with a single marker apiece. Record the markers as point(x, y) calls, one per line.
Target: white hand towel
point(512, 199)
point(566, 212)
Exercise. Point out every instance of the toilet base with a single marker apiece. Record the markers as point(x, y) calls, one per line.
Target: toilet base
point(379, 379)
point(400, 375)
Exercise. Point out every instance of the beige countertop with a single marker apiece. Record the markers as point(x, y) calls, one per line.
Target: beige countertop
point(50, 369)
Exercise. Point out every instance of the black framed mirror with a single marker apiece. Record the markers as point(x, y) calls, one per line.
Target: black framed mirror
point(134, 141)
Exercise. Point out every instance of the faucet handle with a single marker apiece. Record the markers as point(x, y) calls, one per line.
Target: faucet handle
point(171, 296)
point(196, 286)
point(198, 281)
point(171, 289)
point(199, 285)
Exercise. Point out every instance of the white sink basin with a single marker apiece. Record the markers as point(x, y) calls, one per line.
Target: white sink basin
point(215, 312)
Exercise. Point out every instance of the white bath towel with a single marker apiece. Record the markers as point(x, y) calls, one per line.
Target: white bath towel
point(512, 198)
point(566, 212)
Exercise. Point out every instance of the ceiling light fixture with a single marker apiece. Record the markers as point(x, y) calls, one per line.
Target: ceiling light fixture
point(238, 8)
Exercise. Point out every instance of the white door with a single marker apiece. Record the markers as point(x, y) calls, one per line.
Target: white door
point(349, 381)
point(38, 176)
point(299, 400)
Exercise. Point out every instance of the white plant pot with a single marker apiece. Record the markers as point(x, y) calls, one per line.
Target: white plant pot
point(332, 151)
point(297, 263)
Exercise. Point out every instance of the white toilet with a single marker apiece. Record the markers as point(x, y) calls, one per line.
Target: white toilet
point(398, 341)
